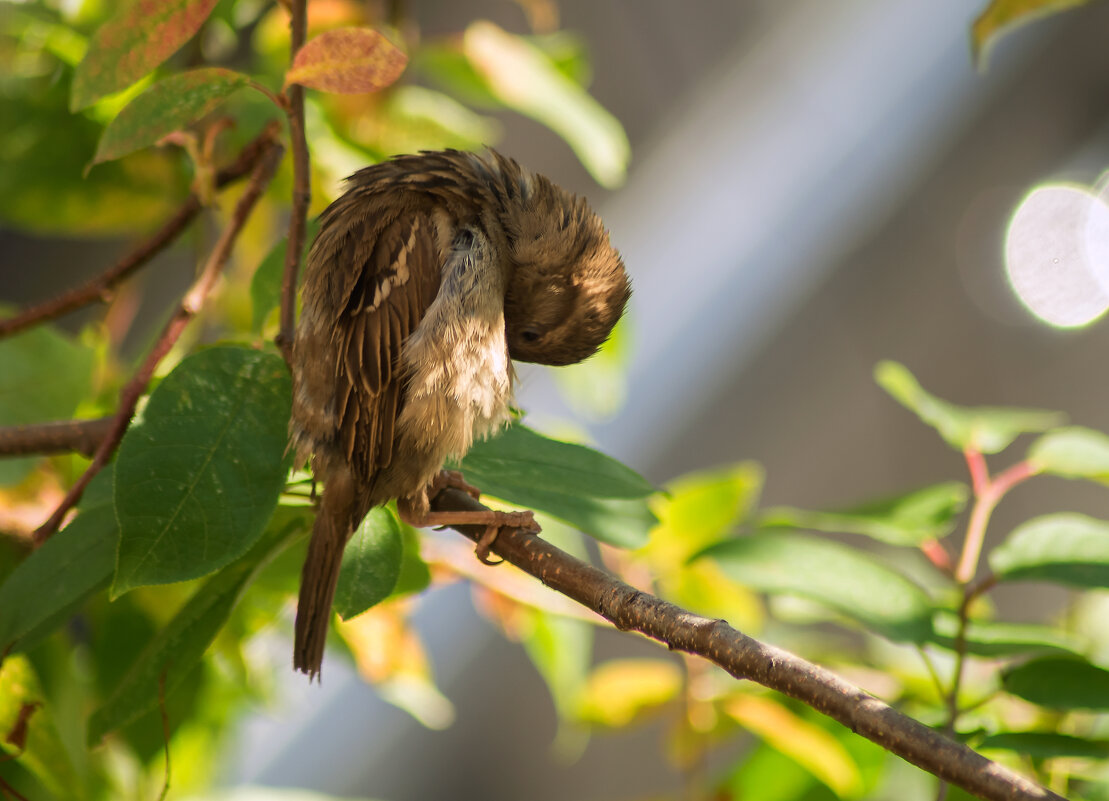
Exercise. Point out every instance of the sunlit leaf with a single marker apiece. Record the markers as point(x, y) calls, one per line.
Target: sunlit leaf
point(574, 483)
point(847, 580)
point(702, 507)
point(1065, 548)
point(414, 118)
point(140, 36)
point(1045, 745)
point(699, 509)
point(983, 428)
point(167, 106)
point(994, 638)
point(198, 477)
point(810, 746)
point(1001, 16)
point(910, 519)
point(42, 753)
point(621, 691)
point(170, 656)
point(265, 284)
point(1072, 452)
point(525, 79)
point(1059, 682)
point(347, 61)
point(371, 564)
point(67, 569)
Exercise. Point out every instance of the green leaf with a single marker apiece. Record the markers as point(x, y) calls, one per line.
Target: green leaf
point(170, 656)
point(347, 61)
point(415, 576)
point(985, 429)
point(1059, 682)
point(525, 79)
point(1001, 16)
point(68, 568)
point(1065, 548)
point(585, 488)
point(265, 284)
point(992, 638)
point(140, 36)
point(165, 107)
point(44, 376)
point(44, 754)
point(844, 579)
point(198, 477)
point(910, 519)
point(699, 509)
point(1045, 745)
point(371, 564)
point(1072, 452)
point(522, 457)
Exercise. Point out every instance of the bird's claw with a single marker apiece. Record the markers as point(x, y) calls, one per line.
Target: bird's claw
point(524, 521)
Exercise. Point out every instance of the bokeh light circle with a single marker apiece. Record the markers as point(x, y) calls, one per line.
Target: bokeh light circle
point(1057, 254)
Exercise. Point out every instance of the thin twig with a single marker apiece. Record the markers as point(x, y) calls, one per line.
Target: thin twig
point(186, 310)
point(99, 288)
point(64, 436)
point(302, 185)
point(746, 658)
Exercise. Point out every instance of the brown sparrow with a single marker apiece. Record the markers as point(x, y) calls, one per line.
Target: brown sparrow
point(428, 276)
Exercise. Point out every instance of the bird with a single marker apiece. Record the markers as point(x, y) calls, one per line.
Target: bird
point(430, 274)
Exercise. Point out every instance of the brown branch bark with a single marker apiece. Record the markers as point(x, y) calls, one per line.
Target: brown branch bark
point(745, 658)
point(82, 436)
point(302, 185)
point(99, 287)
point(190, 304)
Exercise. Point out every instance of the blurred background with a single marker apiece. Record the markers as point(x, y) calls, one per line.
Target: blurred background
point(813, 187)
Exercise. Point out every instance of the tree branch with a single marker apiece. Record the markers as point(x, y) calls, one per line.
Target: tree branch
point(747, 658)
point(302, 185)
point(190, 304)
point(82, 436)
point(99, 287)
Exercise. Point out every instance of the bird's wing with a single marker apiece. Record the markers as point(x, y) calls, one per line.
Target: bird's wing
point(390, 274)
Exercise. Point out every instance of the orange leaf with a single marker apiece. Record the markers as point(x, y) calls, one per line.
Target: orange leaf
point(347, 61)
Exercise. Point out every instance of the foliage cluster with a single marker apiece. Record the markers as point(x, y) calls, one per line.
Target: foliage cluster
point(127, 635)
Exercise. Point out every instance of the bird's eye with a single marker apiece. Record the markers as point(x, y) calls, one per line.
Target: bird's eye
point(530, 335)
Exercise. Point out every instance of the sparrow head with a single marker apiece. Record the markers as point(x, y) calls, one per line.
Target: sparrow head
point(567, 287)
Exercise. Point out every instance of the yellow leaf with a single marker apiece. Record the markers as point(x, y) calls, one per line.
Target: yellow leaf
point(805, 743)
point(623, 690)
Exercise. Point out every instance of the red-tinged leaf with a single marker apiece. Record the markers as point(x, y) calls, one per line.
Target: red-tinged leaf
point(347, 61)
point(133, 42)
point(165, 107)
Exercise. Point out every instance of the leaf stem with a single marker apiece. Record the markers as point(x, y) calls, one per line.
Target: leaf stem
point(302, 187)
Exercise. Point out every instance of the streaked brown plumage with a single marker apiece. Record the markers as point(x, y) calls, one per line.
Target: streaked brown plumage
point(427, 276)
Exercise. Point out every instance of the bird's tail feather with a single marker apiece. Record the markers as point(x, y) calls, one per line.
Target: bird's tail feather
point(338, 514)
